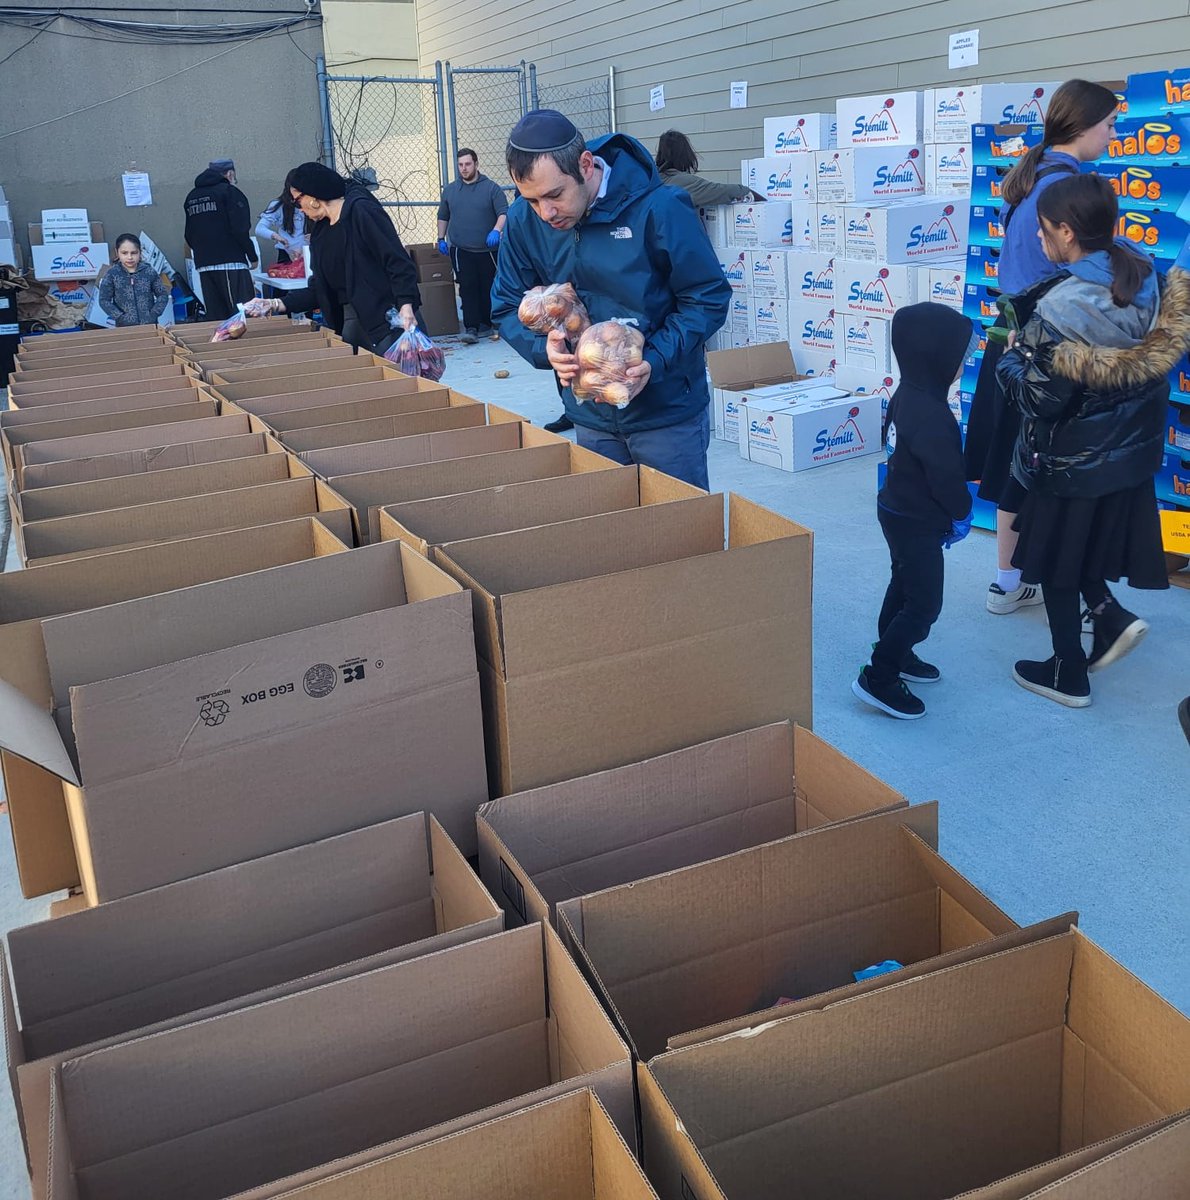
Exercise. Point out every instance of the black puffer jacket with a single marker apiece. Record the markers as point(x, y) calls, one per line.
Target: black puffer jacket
point(1094, 416)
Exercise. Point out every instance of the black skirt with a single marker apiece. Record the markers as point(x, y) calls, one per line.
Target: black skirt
point(992, 429)
point(1066, 541)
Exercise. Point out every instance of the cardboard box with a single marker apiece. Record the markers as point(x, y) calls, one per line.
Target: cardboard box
point(735, 372)
point(439, 309)
point(65, 224)
point(767, 269)
point(907, 230)
point(462, 413)
point(542, 847)
point(948, 168)
point(950, 112)
point(226, 941)
point(761, 223)
point(545, 456)
point(195, 335)
point(728, 648)
point(799, 132)
point(769, 320)
point(943, 283)
point(434, 522)
point(308, 337)
point(829, 229)
point(676, 954)
point(811, 277)
point(101, 361)
point(70, 260)
point(870, 289)
point(861, 382)
point(272, 357)
point(951, 1081)
point(339, 381)
point(717, 221)
point(427, 255)
point(108, 391)
point(325, 1080)
point(297, 372)
point(282, 410)
point(251, 771)
point(734, 262)
point(784, 177)
point(566, 1147)
point(739, 314)
point(45, 855)
point(887, 119)
point(867, 342)
point(813, 330)
point(66, 346)
point(35, 390)
point(825, 426)
point(852, 175)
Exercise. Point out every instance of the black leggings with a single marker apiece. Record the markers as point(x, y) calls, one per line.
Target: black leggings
point(1065, 616)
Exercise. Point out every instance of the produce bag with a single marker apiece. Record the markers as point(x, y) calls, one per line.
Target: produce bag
point(605, 352)
point(556, 307)
point(234, 327)
point(258, 307)
point(294, 269)
point(414, 354)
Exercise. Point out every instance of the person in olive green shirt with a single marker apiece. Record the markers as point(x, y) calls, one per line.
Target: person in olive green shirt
point(678, 166)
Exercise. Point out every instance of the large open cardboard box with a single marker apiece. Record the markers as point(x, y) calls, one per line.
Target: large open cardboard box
point(84, 534)
point(925, 1089)
point(150, 458)
point(461, 413)
point(238, 351)
point(336, 1076)
point(98, 363)
point(725, 941)
point(433, 522)
point(546, 456)
point(328, 381)
point(25, 392)
point(272, 357)
point(563, 1149)
point(187, 741)
point(38, 822)
point(403, 393)
point(107, 391)
point(69, 409)
point(541, 847)
point(227, 940)
point(295, 372)
point(511, 434)
point(84, 341)
point(610, 639)
point(197, 334)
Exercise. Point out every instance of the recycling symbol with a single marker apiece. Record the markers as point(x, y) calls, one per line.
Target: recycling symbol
point(213, 712)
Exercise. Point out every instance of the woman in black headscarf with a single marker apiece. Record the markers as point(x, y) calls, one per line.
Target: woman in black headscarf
point(361, 271)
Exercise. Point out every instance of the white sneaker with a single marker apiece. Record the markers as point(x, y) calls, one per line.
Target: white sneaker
point(1001, 602)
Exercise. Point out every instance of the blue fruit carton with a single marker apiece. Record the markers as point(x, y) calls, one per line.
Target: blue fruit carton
point(1162, 235)
point(979, 303)
point(983, 266)
point(1173, 479)
point(1159, 93)
point(999, 145)
point(1177, 428)
point(1146, 186)
point(986, 226)
point(1148, 141)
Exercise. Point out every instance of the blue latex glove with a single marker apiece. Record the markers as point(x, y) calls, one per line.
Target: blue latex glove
point(443, 246)
point(958, 531)
point(493, 239)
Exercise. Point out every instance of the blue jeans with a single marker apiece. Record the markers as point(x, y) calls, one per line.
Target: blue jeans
point(679, 450)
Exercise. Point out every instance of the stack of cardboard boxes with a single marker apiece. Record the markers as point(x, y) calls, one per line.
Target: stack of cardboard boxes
point(436, 283)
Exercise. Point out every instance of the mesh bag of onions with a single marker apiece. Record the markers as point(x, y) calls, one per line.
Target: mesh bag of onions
point(605, 352)
point(556, 307)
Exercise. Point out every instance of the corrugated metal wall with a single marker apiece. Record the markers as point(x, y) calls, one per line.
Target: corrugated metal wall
point(795, 57)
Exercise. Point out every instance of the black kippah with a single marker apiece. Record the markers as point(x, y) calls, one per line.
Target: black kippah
point(542, 131)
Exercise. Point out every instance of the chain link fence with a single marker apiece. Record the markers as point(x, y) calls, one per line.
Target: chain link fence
point(587, 105)
point(391, 126)
point(485, 103)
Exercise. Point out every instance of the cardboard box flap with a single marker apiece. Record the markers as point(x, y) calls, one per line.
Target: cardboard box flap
point(369, 429)
point(751, 366)
point(833, 787)
point(39, 440)
point(68, 410)
point(30, 733)
point(413, 448)
point(384, 394)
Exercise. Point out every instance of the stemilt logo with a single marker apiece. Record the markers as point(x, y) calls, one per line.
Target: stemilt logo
point(763, 267)
point(820, 334)
point(955, 163)
point(621, 233)
point(861, 225)
point(1029, 113)
point(787, 233)
point(781, 185)
point(948, 106)
point(792, 139)
point(77, 262)
point(763, 429)
point(819, 285)
point(745, 219)
point(846, 438)
point(947, 289)
point(880, 124)
point(859, 335)
point(875, 293)
point(906, 174)
point(938, 234)
point(735, 270)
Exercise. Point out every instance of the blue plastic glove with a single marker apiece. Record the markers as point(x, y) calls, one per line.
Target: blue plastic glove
point(958, 531)
point(443, 246)
point(493, 239)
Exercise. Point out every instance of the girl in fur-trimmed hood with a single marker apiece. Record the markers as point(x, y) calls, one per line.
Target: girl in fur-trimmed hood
point(1088, 372)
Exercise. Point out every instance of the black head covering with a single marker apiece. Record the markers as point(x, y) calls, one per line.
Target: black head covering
point(541, 131)
point(313, 179)
point(930, 342)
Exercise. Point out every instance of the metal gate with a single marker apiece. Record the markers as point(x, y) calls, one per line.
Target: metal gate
point(590, 106)
point(484, 104)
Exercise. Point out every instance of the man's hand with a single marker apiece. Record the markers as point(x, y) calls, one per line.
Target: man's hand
point(493, 239)
point(564, 363)
point(443, 246)
point(638, 378)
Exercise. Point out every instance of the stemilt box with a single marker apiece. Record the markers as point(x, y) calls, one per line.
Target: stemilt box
point(829, 229)
point(716, 220)
point(847, 176)
point(823, 425)
point(906, 230)
point(948, 168)
point(799, 132)
point(734, 262)
point(811, 277)
point(812, 329)
point(769, 273)
point(859, 381)
point(866, 342)
point(950, 112)
point(870, 289)
point(762, 223)
point(943, 283)
point(770, 319)
point(756, 407)
point(739, 314)
point(887, 119)
point(786, 177)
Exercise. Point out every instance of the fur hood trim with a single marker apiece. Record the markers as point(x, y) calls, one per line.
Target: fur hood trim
point(1105, 368)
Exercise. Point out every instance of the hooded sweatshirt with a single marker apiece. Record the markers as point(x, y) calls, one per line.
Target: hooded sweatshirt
point(640, 253)
point(218, 223)
point(926, 480)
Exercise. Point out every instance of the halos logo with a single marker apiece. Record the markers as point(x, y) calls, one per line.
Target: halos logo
point(846, 437)
point(820, 286)
point(938, 233)
point(880, 123)
point(78, 262)
point(875, 292)
point(1029, 113)
point(904, 174)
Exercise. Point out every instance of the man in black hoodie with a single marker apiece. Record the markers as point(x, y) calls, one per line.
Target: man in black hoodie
point(924, 504)
point(218, 232)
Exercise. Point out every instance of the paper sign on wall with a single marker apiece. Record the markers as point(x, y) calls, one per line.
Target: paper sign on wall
point(964, 49)
point(739, 94)
point(137, 192)
point(657, 98)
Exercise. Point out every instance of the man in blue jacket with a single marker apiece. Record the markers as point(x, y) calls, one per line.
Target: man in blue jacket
point(599, 217)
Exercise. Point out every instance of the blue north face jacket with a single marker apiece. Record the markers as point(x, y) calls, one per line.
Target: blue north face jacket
point(642, 253)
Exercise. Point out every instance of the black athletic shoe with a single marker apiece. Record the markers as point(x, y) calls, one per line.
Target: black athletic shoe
point(1063, 682)
point(892, 698)
point(469, 337)
point(1115, 631)
point(915, 670)
point(561, 425)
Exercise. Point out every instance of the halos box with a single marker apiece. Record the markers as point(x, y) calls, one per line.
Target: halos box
point(886, 119)
point(855, 174)
point(799, 132)
point(906, 230)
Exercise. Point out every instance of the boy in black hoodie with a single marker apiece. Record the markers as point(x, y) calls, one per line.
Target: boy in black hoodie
point(218, 229)
point(924, 504)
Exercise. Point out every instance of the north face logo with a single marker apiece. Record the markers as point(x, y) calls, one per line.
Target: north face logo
point(621, 233)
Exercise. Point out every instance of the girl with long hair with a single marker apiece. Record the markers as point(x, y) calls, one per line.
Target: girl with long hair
point(284, 223)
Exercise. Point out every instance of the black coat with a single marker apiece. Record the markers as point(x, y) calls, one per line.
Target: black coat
point(380, 273)
point(1094, 416)
point(218, 222)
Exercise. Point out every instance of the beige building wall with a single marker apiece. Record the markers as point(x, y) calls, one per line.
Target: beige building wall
point(796, 57)
point(370, 37)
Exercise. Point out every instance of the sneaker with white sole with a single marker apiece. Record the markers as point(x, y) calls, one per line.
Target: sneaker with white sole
point(1025, 596)
point(1115, 631)
point(893, 698)
point(1063, 682)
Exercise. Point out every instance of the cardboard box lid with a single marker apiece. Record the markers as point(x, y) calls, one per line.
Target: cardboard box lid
point(414, 448)
point(368, 429)
point(322, 406)
point(752, 366)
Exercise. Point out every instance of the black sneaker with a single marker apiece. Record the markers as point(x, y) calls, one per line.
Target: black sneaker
point(916, 671)
point(561, 425)
point(469, 337)
point(892, 698)
point(1063, 682)
point(1115, 631)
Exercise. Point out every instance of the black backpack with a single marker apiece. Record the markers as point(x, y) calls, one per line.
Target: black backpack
point(1052, 169)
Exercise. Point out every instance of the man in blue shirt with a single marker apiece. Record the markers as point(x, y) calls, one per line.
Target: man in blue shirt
point(597, 215)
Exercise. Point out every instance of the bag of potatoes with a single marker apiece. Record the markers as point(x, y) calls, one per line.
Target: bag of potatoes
point(605, 352)
point(555, 307)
